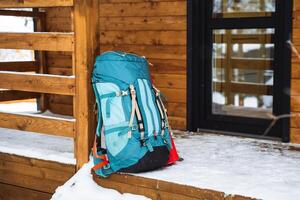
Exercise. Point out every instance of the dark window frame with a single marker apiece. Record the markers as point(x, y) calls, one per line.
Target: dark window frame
point(199, 77)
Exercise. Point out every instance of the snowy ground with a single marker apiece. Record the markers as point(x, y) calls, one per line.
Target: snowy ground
point(234, 165)
point(81, 186)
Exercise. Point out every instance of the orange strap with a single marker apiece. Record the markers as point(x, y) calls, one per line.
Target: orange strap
point(102, 157)
point(100, 165)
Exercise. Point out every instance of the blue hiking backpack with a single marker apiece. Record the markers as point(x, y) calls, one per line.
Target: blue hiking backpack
point(133, 131)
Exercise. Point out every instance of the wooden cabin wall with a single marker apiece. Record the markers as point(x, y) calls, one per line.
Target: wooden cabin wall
point(157, 30)
point(60, 63)
point(295, 98)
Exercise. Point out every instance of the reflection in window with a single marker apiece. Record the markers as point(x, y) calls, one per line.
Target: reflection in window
point(242, 67)
point(243, 8)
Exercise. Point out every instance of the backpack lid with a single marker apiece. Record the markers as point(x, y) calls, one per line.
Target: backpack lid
point(125, 67)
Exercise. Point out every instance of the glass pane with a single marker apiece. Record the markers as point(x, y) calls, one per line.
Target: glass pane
point(243, 76)
point(243, 8)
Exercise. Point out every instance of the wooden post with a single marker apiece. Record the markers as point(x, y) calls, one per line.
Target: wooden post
point(86, 46)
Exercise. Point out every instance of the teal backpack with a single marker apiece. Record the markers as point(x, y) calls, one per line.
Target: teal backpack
point(133, 131)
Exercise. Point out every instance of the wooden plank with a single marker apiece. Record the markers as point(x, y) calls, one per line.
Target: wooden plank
point(174, 95)
point(176, 109)
point(173, 81)
point(178, 123)
point(19, 66)
point(295, 103)
point(133, 1)
point(86, 49)
point(295, 89)
point(295, 135)
point(29, 182)
point(62, 109)
point(38, 123)
point(19, 13)
point(296, 70)
point(165, 66)
point(52, 84)
point(34, 171)
point(12, 95)
point(34, 3)
point(151, 51)
point(147, 23)
point(143, 37)
point(177, 8)
point(68, 168)
point(11, 192)
point(159, 189)
point(37, 41)
point(295, 121)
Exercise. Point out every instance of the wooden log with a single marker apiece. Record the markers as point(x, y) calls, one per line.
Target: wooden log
point(38, 123)
point(34, 3)
point(19, 66)
point(86, 49)
point(11, 192)
point(172, 81)
point(12, 95)
point(52, 84)
point(37, 41)
point(295, 135)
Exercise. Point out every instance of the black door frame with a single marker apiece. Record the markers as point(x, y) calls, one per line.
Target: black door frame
point(199, 49)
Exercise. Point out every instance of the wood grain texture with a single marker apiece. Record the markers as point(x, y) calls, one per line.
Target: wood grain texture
point(86, 48)
point(37, 41)
point(21, 66)
point(39, 124)
point(159, 189)
point(11, 192)
point(34, 3)
point(52, 84)
point(12, 95)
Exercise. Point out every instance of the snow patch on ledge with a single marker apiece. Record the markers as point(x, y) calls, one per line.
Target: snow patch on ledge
point(82, 186)
point(255, 168)
point(35, 145)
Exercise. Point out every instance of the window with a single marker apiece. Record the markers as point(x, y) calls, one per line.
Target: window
point(239, 65)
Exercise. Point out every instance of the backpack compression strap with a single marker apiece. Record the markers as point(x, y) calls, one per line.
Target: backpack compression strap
point(135, 110)
point(162, 111)
point(102, 157)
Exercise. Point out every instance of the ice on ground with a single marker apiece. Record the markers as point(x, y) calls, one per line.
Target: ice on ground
point(81, 186)
point(35, 145)
point(234, 165)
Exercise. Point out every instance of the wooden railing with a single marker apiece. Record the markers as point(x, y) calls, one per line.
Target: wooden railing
point(17, 83)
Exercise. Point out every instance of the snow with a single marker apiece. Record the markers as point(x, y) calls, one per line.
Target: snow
point(234, 165)
point(35, 145)
point(81, 186)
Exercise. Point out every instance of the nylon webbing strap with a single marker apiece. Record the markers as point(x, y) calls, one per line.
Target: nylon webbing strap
point(162, 111)
point(135, 110)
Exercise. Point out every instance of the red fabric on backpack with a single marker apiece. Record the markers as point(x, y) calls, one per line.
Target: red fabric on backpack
point(173, 153)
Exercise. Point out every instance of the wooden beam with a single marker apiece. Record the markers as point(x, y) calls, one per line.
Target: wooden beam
point(42, 41)
point(52, 84)
point(87, 46)
point(38, 123)
point(244, 38)
point(34, 3)
point(247, 63)
point(21, 66)
point(12, 95)
point(246, 88)
point(19, 13)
